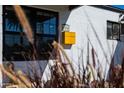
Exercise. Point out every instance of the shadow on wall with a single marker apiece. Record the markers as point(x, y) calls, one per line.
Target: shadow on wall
point(119, 53)
point(28, 68)
point(67, 46)
point(118, 56)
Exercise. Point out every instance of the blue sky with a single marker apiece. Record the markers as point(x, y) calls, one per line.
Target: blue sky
point(119, 6)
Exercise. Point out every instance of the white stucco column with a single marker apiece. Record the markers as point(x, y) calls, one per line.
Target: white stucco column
point(1, 43)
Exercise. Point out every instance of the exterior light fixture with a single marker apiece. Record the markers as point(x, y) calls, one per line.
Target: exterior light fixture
point(68, 37)
point(65, 28)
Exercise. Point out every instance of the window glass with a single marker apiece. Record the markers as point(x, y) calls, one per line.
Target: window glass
point(46, 27)
point(46, 24)
point(11, 40)
point(53, 20)
point(109, 30)
point(39, 27)
point(52, 29)
point(12, 25)
point(43, 24)
point(122, 29)
point(113, 30)
point(25, 41)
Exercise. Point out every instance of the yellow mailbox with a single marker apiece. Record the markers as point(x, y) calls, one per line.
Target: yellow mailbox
point(68, 38)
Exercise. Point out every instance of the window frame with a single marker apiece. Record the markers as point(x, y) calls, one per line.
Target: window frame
point(33, 16)
point(112, 22)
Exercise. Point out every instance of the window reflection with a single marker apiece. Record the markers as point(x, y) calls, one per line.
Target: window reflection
point(122, 29)
point(113, 29)
point(46, 25)
point(11, 40)
point(43, 24)
point(109, 30)
point(12, 25)
point(39, 27)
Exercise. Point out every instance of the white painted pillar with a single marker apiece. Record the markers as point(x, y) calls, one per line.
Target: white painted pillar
point(1, 43)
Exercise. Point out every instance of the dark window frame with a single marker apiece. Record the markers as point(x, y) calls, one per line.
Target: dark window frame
point(33, 10)
point(112, 37)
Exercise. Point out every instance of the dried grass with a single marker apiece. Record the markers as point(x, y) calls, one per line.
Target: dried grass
point(62, 73)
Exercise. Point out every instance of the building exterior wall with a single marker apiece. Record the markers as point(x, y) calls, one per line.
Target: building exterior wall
point(91, 22)
point(90, 25)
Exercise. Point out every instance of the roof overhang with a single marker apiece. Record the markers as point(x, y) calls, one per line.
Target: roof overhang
point(110, 8)
point(56, 8)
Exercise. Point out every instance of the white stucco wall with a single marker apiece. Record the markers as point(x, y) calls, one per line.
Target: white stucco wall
point(92, 22)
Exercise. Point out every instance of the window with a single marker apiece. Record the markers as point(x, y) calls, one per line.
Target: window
point(122, 30)
point(46, 24)
point(15, 44)
point(113, 30)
